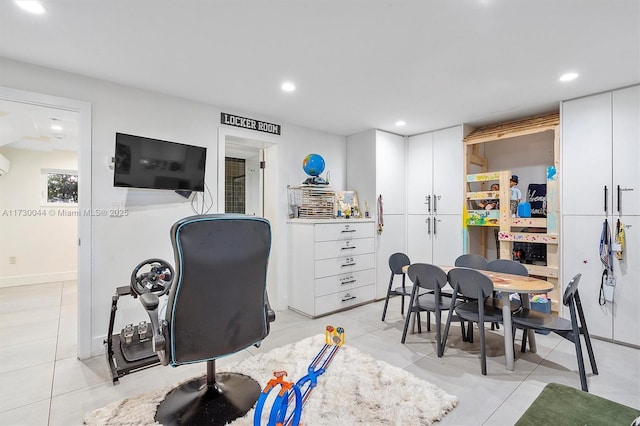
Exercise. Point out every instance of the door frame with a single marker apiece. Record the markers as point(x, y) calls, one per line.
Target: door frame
point(84, 302)
point(270, 145)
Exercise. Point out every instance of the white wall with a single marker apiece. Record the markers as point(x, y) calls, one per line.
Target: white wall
point(120, 243)
point(42, 239)
point(526, 156)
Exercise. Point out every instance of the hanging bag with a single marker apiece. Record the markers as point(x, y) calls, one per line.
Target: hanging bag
point(608, 280)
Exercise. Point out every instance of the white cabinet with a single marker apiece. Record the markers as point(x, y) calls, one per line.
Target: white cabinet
point(376, 166)
point(435, 196)
point(601, 179)
point(331, 265)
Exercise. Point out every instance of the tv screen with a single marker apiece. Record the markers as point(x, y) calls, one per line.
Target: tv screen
point(151, 163)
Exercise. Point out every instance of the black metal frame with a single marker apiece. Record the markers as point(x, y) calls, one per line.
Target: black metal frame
point(120, 354)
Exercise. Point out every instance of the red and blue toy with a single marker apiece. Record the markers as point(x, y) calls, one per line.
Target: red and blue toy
point(291, 398)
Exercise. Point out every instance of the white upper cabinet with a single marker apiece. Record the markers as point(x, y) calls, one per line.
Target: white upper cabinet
point(390, 171)
point(448, 179)
point(435, 169)
point(626, 153)
point(586, 155)
point(376, 166)
point(419, 173)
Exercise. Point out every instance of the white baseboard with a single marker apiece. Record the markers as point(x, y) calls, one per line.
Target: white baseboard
point(50, 277)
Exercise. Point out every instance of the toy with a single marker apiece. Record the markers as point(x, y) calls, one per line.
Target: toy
point(297, 394)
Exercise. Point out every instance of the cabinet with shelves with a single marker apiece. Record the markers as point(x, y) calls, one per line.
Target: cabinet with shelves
point(513, 230)
point(331, 265)
point(483, 227)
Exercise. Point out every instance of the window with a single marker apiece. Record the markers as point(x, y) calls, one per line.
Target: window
point(59, 187)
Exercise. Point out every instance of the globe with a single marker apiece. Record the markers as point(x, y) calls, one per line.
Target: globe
point(313, 164)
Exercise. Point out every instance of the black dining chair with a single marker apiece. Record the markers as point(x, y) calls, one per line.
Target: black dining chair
point(570, 329)
point(396, 263)
point(470, 260)
point(476, 288)
point(507, 266)
point(431, 279)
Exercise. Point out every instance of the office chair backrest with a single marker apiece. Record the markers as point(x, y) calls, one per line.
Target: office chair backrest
point(508, 267)
point(217, 304)
point(397, 261)
point(427, 276)
point(470, 283)
point(470, 260)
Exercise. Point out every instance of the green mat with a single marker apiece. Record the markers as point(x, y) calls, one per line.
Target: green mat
point(566, 406)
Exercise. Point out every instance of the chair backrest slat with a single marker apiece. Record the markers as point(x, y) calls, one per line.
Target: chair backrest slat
point(508, 267)
point(397, 261)
point(470, 283)
point(429, 277)
point(470, 260)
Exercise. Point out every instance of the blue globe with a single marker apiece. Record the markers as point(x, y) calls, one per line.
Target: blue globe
point(313, 164)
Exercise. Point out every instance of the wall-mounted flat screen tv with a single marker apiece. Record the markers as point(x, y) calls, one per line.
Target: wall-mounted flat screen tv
point(152, 163)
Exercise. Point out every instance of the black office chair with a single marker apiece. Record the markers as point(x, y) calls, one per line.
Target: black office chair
point(512, 267)
point(475, 287)
point(569, 329)
point(217, 306)
point(430, 278)
point(396, 262)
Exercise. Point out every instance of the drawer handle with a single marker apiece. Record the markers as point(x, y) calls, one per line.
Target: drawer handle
point(348, 264)
point(348, 282)
point(348, 297)
point(347, 248)
point(348, 230)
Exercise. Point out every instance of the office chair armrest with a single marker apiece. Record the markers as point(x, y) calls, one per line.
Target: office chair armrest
point(150, 302)
point(271, 314)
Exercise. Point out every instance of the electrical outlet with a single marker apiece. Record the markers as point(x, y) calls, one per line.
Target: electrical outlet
point(12, 260)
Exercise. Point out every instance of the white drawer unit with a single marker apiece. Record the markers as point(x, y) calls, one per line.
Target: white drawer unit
point(331, 265)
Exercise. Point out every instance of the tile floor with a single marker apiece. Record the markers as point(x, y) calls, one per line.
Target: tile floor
point(42, 382)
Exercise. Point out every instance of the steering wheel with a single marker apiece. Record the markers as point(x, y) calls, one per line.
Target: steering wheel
point(152, 276)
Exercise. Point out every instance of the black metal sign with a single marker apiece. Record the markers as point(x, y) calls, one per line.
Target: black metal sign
point(249, 123)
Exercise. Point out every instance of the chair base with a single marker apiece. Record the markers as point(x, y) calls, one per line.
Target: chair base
point(231, 396)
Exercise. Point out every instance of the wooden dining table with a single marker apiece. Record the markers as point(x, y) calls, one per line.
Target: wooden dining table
point(509, 284)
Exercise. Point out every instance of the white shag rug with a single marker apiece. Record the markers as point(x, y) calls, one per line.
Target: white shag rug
point(355, 389)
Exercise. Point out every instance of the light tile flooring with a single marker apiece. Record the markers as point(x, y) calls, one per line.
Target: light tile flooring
point(43, 383)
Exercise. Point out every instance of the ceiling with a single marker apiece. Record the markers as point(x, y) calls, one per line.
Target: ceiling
point(27, 126)
point(357, 64)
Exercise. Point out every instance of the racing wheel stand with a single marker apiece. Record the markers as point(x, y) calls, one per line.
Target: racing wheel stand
point(131, 350)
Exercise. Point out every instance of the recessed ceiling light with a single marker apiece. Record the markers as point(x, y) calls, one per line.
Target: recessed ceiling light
point(569, 76)
point(288, 86)
point(400, 123)
point(31, 6)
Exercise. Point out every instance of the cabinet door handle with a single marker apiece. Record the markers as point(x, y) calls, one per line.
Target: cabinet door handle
point(348, 230)
point(347, 264)
point(619, 195)
point(347, 248)
point(434, 225)
point(428, 203)
point(435, 208)
point(348, 282)
point(428, 220)
point(605, 198)
point(348, 297)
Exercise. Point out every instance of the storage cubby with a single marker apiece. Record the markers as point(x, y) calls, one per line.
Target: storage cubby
point(495, 233)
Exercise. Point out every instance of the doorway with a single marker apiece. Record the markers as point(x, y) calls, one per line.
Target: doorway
point(261, 190)
point(244, 177)
point(81, 248)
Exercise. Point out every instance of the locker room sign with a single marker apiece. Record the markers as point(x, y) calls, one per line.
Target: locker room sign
point(249, 123)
